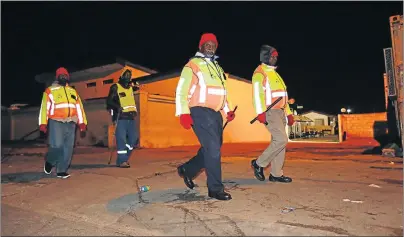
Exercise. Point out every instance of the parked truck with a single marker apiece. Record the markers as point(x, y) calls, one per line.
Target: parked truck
point(395, 80)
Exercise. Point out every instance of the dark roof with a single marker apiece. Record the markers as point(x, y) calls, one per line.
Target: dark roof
point(318, 112)
point(136, 66)
point(171, 74)
point(158, 77)
point(94, 72)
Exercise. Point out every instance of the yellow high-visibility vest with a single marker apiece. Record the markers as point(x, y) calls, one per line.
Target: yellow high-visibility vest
point(126, 99)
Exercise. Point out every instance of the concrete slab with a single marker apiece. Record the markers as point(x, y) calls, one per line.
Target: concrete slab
point(100, 199)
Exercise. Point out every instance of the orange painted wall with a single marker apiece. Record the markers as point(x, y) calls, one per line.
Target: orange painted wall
point(158, 125)
point(361, 125)
point(101, 90)
point(160, 128)
point(163, 87)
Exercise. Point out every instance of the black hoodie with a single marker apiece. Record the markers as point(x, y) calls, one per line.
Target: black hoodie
point(265, 53)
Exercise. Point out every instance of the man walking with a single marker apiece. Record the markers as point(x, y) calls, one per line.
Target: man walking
point(61, 110)
point(201, 96)
point(268, 86)
point(121, 103)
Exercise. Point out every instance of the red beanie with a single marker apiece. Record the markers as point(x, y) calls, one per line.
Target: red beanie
point(208, 37)
point(61, 71)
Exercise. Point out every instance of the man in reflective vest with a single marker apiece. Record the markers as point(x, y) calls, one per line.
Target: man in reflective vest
point(121, 104)
point(267, 87)
point(61, 110)
point(201, 96)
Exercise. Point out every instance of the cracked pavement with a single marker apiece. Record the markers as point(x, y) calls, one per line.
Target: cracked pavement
point(99, 199)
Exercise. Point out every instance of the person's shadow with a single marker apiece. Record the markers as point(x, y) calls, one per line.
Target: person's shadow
point(27, 177)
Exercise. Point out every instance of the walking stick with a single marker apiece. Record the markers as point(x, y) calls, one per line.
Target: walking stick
point(269, 107)
point(235, 108)
point(116, 125)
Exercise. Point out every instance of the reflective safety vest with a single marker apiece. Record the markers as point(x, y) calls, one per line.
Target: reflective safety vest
point(268, 86)
point(61, 102)
point(202, 83)
point(126, 98)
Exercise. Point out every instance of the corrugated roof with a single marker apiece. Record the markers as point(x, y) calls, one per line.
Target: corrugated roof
point(94, 72)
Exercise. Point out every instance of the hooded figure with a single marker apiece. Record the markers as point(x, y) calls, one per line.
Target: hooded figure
point(122, 106)
point(268, 86)
point(268, 55)
point(125, 78)
point(61, 110)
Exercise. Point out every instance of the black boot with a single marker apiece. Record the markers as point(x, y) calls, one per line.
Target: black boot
point(258, 171)
point(221, 195)
point(188, 181)
point(282, 179)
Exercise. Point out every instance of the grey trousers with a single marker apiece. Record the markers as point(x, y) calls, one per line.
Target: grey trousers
point(275, 152)
point(61, 142)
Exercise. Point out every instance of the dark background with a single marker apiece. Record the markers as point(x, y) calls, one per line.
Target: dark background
point(330, 53)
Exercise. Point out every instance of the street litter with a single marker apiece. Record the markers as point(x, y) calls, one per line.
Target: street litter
point(287, 209)
point(391, 163)
point(347, 200)
point(374, 185)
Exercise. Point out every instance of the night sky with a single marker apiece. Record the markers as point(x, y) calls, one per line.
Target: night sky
point(330, 53)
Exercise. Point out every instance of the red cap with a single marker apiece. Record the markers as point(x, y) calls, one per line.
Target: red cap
point(208, 37)
point(274, 53)
point(61, 71)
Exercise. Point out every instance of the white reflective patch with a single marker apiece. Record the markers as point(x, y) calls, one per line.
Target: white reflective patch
point(65, 105)
point(279, 94)
point(215, 91)
point(129, 147)
point(202, 86)
point(122, 152)
point(226, 108)
point(257, 99)
point(178, 110)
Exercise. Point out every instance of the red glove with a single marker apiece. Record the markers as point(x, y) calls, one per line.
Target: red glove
point(291, 120)
point(262, 118)
point(83, 127)
point(43, 128)
point(186, 121)
point(230, 116)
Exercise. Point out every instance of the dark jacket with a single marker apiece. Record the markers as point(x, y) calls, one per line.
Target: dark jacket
point(114, 104)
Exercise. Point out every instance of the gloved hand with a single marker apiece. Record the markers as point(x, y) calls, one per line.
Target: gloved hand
point(230, 116)
point(43, 128)
point(186, 121)
point(291, 120)
point(262, 118)
point(83, 127)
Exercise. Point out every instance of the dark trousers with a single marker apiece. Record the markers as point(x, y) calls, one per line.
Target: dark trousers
point(126, 137)
point(61, 143)
point(208, 128)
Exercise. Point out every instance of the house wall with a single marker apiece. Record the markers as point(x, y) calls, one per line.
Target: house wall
point(366, 125)
point(160, 128)
point(157, 124)
point(101, 90)
point(313, 116)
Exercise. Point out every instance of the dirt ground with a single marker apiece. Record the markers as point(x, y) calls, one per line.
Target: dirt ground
point(336, 191)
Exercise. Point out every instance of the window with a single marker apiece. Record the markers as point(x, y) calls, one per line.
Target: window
point(91, 84)
point(109, 81)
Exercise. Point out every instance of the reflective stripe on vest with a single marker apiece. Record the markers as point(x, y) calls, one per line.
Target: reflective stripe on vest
point(63, 103)
point(278, 88)
point(209, 91)
point(126, 98)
